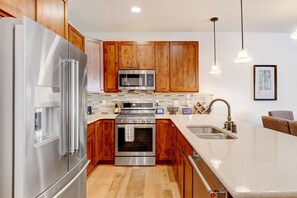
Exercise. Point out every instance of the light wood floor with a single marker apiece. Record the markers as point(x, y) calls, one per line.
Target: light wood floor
point(108, 181)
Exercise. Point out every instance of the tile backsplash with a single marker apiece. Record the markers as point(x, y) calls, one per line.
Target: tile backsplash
point(103, 103)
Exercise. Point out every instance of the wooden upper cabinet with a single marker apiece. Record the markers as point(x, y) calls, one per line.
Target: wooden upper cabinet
point(145, 55)
point(94, 51)
point(17, 8)
point(75, 37)
point(184, 66)
point(53, 15)
point(162, 66)
point(127, 55)
point(110, 66)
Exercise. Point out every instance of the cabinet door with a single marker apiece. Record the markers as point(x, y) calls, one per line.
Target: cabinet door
point(180, 171)
point(108, 140)
point(17, 8)
point(184, 66)
point(145, 55)
point(127, 55)
point(188, 181)
point(90, 153)
point(163, 140)
point(76, 38)
point(110, 66)
point(53, 15)
point(98, 142)
point(93, 49)
point(162, 66)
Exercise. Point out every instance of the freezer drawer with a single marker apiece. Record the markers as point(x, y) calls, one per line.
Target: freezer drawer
point(205, 183)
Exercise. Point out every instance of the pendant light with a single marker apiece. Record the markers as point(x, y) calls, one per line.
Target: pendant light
point(294, 35)
point(215, 68)
point(242, 56)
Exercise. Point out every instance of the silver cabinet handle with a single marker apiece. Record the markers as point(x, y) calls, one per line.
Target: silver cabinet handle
point(73, 180)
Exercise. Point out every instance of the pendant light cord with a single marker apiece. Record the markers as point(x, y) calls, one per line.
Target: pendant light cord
point(242, 45)
point(214, 38)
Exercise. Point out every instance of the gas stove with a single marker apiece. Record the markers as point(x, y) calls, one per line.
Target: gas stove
point(136, 112)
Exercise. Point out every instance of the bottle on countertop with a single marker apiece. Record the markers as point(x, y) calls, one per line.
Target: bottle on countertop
point(116, 109)
point(89, 110)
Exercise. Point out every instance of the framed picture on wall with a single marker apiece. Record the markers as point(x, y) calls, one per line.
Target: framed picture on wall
point(265, 82)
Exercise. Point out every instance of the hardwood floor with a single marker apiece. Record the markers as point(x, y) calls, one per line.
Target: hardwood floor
point(108, 181)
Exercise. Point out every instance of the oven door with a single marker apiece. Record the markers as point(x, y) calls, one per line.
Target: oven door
point(135, 140)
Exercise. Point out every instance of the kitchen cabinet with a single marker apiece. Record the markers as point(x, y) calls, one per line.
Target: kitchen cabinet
point(136, 55)
point(127, 55)
point(163, 141)
point(184, 66)
point(180, 170)
point(145, 55)
point(188, 178)
point(53, 15)
point(76, 38)
point(162, 66)
point(17, 8)
point(98, 142)
point(108, 141)
point(110, 66)
point(94, 51)
point(91, 147)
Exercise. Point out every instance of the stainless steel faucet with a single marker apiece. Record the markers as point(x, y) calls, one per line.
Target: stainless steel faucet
point(229, 125)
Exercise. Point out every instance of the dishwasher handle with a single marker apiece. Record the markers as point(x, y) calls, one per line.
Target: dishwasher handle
point(212, 193)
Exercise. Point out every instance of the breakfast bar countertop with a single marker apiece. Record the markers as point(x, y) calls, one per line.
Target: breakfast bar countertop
point(259, 163)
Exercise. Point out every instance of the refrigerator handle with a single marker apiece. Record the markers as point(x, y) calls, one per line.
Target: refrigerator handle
point(64, 107)
point(77, 109)
point(74, 107)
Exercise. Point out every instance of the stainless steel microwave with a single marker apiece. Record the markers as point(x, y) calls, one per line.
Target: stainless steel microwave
point(136, 80)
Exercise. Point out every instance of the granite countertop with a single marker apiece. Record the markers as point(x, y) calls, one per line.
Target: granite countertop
point(259, 163)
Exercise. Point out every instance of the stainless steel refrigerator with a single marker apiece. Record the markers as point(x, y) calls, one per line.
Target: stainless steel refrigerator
point(42, 126)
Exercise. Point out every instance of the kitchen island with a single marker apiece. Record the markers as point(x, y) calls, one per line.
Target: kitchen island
point(258, 163)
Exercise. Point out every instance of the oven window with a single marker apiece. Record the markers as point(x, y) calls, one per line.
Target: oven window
point(132, 80)
point(140, 141)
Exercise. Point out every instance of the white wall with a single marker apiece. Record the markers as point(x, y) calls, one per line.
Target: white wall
point(235, 83)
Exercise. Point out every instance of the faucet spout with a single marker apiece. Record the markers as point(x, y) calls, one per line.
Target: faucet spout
point(229, 124)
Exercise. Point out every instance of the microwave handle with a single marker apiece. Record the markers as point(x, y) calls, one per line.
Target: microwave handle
point(145, 80)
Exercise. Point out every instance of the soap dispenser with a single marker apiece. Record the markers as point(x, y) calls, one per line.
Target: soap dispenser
point(116, 109)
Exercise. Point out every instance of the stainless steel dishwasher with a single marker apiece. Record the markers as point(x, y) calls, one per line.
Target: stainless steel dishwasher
point(205, 183)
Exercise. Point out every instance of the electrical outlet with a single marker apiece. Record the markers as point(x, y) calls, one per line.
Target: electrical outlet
point(103, 102)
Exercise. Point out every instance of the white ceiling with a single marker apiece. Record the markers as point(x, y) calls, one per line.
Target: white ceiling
point(182, 15)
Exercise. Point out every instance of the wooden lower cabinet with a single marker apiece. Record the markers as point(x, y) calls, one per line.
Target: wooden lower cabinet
point(107, 130)
point(100, 143)
point(188, 178)
point(91, 147)
point(163, 141)
point(179, 149)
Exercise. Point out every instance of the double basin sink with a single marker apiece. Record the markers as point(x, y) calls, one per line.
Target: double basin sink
point(209, 132)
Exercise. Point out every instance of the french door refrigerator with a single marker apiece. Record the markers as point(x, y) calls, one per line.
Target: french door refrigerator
point(42, 103)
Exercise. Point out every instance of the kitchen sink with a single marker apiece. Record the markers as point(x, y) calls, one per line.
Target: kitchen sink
point(208, 132)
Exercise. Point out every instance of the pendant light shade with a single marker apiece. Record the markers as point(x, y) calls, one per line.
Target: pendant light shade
point(242, 56)
point(215, 68)
point(294, 35)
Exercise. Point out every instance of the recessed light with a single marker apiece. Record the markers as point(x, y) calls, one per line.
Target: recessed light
point(136, 9)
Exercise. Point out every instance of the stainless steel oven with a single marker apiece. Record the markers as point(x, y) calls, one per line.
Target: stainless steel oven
point(136, 80)
point(135, 135)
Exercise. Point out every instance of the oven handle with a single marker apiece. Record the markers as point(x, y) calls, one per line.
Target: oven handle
point(142, 126)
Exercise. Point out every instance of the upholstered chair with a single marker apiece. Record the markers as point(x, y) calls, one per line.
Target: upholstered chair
point(282, 114)
point(277, 124)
